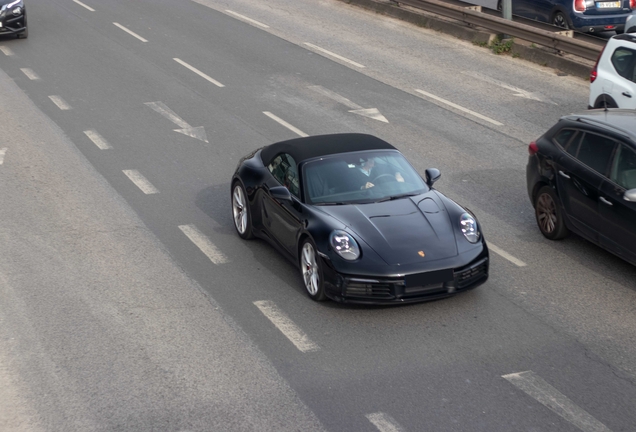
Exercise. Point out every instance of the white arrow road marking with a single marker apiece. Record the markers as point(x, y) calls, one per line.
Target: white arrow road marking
point(186, 129)
point(284, 123)
point(6, 50)
point(3, 151)
point(141, 182)
point(458, 107)
point(83, 5)
point(30, 74)
point(537, 388)
point(61, 103)
point(203, 243)
point(502, 253)
point(286, 326)
point(329, 53)
point(244, 18)
point(97, 139)
point(517, 91)
point(373, 113)
point(130, 32)
point(384, 422)
point(198, 72)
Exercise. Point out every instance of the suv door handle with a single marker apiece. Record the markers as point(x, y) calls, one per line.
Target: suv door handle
point(562, 174)
point(627, 94)
point(604, 201)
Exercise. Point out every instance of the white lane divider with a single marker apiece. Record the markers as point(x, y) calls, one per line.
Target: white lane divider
point(84, 6)
point(502, 253)
point(97, 139)
point(459, 107)
point(334, 55)
point(130, 32)
point(3, 151)
point(286, 326)
point(384, 422)
point(284, 123)
point(244, 18)
point(373, 113)
point(141, 182)
point(6, 50)
point(536, 387)
point(198, 72)
point(30, 74)
point(61, 103)
point(203, 243)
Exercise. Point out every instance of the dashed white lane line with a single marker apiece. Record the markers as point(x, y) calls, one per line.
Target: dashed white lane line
point(98, 140)
point(506, 255)
point(384, 422)
point(61, 103)
point(536, 387)
point(3, 151)
point(6, 50)
point(286, 326)
point(203, 243)
point(198, 72)
point(459, 107)
point(84, 6)
point(244, 18)
point(30, 74)
point(331, 54)
point(284, 123)
point(141, 182)
point(130, 32)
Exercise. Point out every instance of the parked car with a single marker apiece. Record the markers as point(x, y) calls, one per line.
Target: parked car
point(13, 18)
point(587, 16)
point(613, 78)
point(581, 177)
point(359, 222)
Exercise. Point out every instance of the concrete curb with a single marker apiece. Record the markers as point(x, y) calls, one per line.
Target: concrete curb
point(564, 63)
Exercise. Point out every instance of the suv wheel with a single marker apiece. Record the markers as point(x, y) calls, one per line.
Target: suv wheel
point(549, 214)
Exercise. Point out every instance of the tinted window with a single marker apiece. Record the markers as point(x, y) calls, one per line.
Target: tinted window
point(624, 168)
point(624, 61)
point(563, 137)
point(284, 169)
point(596, 151)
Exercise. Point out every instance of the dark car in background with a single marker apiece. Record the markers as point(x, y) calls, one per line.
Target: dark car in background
point(13, 18)
point(581, 177)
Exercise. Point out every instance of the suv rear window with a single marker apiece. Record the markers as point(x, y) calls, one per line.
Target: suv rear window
point(564, 136)
point(596, 151)
point(624, 61)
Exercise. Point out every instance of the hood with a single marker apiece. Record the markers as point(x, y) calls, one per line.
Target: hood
point(4, 2)
point(398, 230)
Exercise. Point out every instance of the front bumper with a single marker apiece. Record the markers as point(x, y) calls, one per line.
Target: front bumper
point(12, 24)
point(392, 290)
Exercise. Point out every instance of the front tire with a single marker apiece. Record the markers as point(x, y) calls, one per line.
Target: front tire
point(549, 214)
point(311, 271)
point(241, 212)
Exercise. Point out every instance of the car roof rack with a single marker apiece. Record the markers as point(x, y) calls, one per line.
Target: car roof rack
point(619, 130)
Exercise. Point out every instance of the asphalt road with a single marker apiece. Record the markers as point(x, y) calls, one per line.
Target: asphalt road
point(115, 188)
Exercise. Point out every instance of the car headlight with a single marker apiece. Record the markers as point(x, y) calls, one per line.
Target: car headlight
point(469, 227)
point(344, 245)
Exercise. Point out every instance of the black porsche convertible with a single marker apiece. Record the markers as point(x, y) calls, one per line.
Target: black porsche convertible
point(358, 220)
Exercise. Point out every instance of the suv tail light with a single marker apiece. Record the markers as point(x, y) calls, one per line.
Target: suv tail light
point(533, 149)
point(579, 5)
point(632, 4)
point(594, 71)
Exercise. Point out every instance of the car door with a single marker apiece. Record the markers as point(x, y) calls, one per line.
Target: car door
point(622, 83)
point(618, 216)
point(580, 173)
point(282, 217)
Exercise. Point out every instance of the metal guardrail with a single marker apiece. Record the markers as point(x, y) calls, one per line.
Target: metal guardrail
point(543, 37)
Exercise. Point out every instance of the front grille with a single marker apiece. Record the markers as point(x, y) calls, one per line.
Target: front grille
point(467, 276)
point(370, 290)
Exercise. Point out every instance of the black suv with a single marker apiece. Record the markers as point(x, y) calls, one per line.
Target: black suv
point(582, 177)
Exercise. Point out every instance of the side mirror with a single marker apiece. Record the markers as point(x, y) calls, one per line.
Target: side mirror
point(630, 195)
point(280, 193)
point(432, 175)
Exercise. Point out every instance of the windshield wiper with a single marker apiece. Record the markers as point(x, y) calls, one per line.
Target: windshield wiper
point(395, 197)
point(331, 203)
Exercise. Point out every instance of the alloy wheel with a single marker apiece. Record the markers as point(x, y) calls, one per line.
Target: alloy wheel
point(239, 209)
point(311, 275)
point(546, 213)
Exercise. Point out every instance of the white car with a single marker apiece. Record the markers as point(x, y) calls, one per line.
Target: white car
point(613, 78)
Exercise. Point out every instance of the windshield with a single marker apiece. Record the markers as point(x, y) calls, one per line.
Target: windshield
point(360, 177)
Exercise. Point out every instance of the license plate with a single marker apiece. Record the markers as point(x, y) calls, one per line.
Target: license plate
point(428, 278)
point(608, 5)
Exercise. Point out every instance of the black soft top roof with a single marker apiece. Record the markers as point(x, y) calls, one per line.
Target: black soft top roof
point(302, 149)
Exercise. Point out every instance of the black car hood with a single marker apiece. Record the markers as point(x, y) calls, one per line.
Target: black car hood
point(399, 230)
point(4, 2)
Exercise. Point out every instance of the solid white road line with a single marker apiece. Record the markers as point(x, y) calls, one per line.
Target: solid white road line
point(97, 139)
point(329, 53)
point(3, 151)
point(83, 5)
point(284, 123)
point(286, 326)
point(61, 103)
point(162, 109)
point(506, 255)
point(130, 32)
point(198, 72)
point(6, 50)
point(384, 422)
point(30, 74)
point(141, 182)
point(536, 387)
point(203, 243)
point(244, 18)
point(459, 107)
